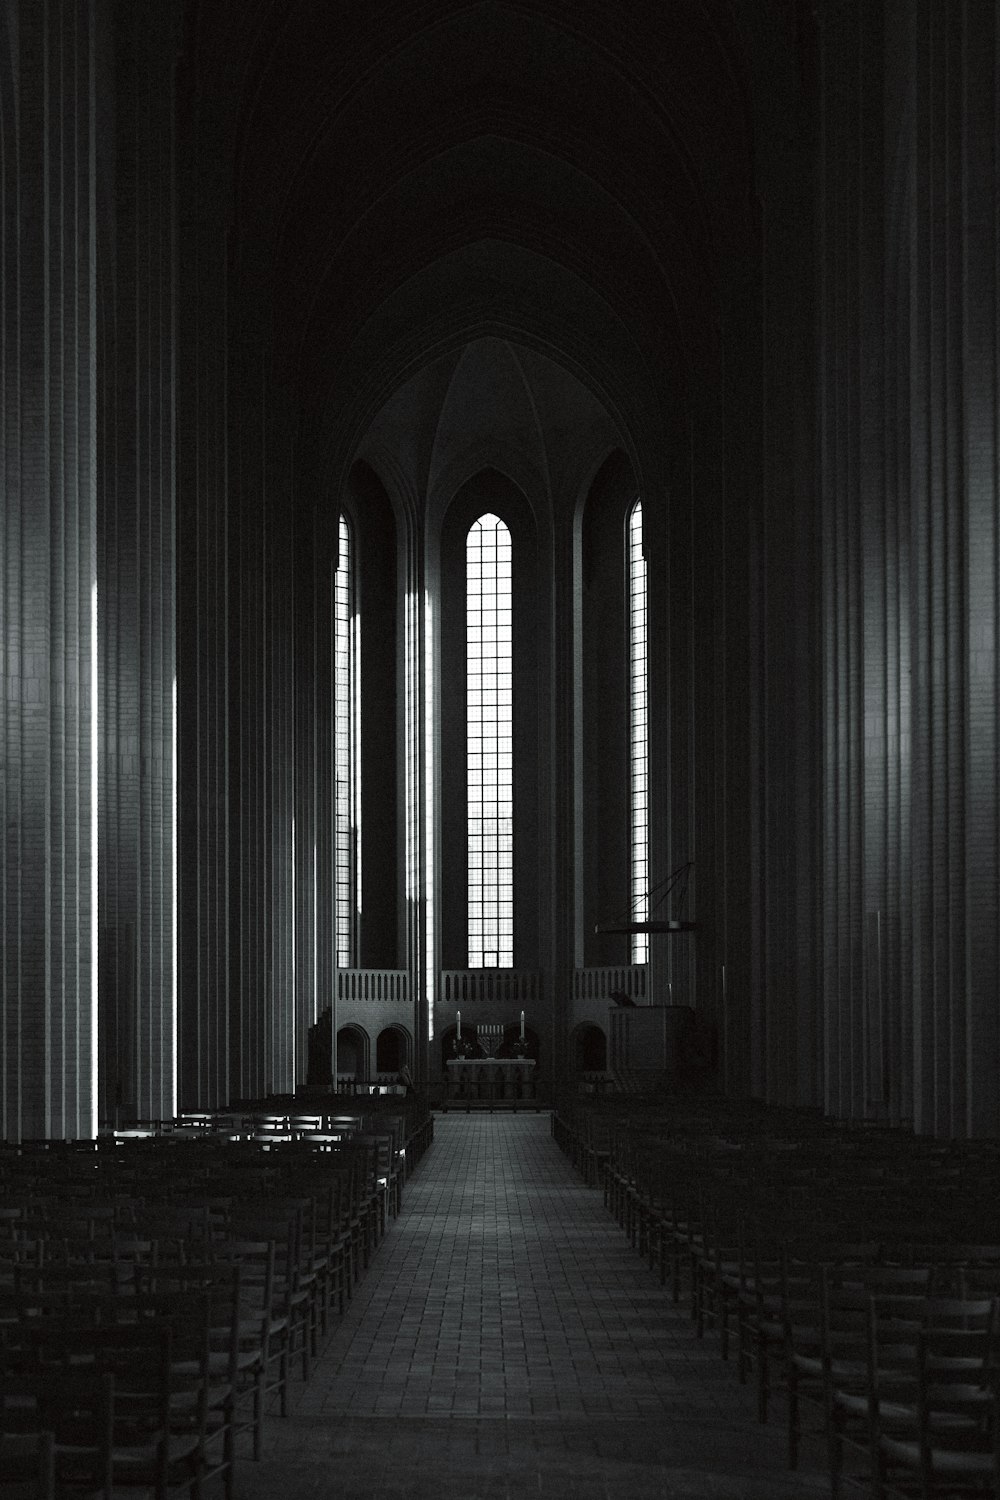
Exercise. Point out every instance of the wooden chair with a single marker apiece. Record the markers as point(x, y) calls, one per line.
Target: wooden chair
point(925, 1389)
point(331, 1245)
point(205, 1362)
point(830, 1379)
point(720, 1268)
point(163, 1418)
point(946, 1441)
point(673, 1231)
point(386, 1175)
point(264, 1330)
point(780, 1311)
point(238, 1351)
point(293, 1295)
point(27, 1465)
point(323, 1251)
point(56, 1428)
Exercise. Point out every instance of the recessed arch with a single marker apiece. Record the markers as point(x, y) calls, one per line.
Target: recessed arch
point(376, 529)
point(489, 729)
point(602, 784)
point(649, 426)
point(393, 1049)
point(637, 659)
point(353, 1052)
point(471, 292)
point(486, 457)
point(489, 491)
point(589, 1048)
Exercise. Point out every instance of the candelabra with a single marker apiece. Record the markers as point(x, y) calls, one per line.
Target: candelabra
point(490, 1038)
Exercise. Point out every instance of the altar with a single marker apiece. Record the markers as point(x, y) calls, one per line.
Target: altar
point(490, 1079)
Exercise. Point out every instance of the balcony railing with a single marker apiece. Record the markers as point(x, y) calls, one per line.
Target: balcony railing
point(373, 984)
point(598, 983)
point(507, 985)
point(512, 986)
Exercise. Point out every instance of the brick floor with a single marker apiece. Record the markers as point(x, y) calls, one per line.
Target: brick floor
point(506, 1341)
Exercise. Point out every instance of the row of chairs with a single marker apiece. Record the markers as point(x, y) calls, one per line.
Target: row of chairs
point(157, 1291)
point(137, 1404)
point(841, 1263)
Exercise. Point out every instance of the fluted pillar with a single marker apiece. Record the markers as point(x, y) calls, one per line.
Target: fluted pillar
point(136, 571)
point(262, 578)
point(951, 149)
point(562, 841)
point(48, 572)
point(208, 1021)
point(907, 509)
point(849, 510)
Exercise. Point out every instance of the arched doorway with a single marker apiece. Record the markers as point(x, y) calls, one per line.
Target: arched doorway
point(352, 1052)
point(392, 1049)
point(590, 1049)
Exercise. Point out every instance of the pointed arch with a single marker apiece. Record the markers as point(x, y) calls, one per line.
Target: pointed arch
point(489, 743)
point(638, 728)
point(347, 749)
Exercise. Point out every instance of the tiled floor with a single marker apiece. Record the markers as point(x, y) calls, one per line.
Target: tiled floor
point(507, 1342)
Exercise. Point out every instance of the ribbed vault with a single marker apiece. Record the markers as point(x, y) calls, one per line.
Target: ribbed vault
point(412, 177)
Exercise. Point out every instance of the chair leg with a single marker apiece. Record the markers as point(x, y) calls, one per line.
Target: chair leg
point(835, 1456)
point(762, 1381)
point(258, 1413)
point(742, 1359)
point(229, 1451)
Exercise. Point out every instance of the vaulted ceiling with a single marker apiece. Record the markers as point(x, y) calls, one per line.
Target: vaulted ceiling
point(574, 177)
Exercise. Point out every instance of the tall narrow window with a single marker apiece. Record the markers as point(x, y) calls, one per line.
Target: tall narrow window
point(346, 753)
point(638, 733)
point(489, 669)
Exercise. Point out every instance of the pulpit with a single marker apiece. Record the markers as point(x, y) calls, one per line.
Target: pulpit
point(650, 1038)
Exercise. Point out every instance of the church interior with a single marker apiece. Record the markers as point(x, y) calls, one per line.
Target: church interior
point(500, 597)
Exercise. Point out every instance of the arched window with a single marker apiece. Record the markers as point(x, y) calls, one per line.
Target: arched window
point(347, 760)
point(638, 733)
point(489, 669)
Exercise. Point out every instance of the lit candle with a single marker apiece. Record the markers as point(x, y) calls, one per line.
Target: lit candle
point(522, 1026)
point(458, 1018)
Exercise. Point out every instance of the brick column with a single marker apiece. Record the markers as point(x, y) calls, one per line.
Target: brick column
point(908, 299)
point(49, 567)
point(136, 570)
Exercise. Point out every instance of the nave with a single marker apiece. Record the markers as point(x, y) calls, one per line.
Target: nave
point(506, 1341)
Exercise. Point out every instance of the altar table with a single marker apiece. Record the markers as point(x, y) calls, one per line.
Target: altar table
point(491, 1078)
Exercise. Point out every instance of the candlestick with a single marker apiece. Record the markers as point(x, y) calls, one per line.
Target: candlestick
point(458, 1018)
point(522, 1026)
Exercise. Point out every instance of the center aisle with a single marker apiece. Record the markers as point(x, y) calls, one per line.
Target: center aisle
point(506, 1341)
